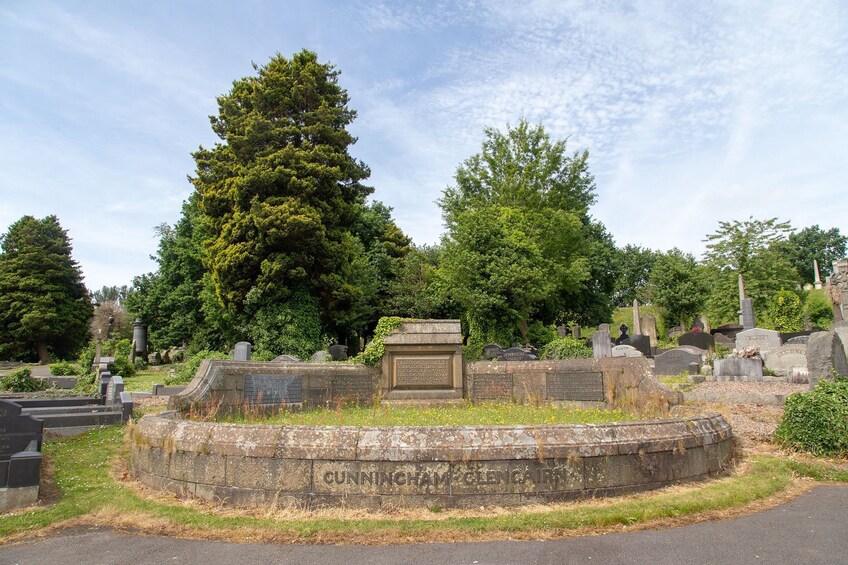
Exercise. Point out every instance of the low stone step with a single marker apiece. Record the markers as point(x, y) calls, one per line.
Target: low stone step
point(46, 402)
point(419, 403)
point(426, 395)
point(77, 420)
point(85, 409)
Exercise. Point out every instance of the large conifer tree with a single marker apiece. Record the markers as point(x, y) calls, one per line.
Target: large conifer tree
point(44, 305)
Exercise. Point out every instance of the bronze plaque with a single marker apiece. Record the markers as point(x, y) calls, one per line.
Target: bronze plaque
point(492, 388)
point(579, 385)
point(423, 371)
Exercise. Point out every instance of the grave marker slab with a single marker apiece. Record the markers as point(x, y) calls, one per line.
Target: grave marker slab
point(738, 368)
point(649, 328)
point(286, 359)
point(783, 360)
point(242, 351)
point(351, 386)
point(492, 351)
point(516, 354)
point(675, 361)
point(601, 344)
point(625, 351)
point(273, 389)
point(585, 386)
point(764, 340)
point(338, 352)
point(641, 343)
point(825, 354)
point(492, 388)
point(701, 340)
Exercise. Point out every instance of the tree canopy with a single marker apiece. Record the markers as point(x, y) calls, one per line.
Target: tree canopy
point(517, 219)
point(677, 286)
point(44, 305)
point(813, 243)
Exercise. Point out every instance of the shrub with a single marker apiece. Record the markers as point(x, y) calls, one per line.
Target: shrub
point(818, 308)
point(21, 381)
point(817, 421)
point(785, 312)
point(189, 368)
point(64, 369)
point(541, 335)
point(373, 353)
point(566, 348)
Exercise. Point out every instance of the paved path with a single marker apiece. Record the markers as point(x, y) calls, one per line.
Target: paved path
point(810, 529)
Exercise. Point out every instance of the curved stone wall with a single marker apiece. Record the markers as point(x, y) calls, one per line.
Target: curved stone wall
point(265, 466)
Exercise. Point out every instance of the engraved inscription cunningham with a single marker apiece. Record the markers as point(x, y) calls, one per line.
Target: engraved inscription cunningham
point(423, 372)
point(577, 386)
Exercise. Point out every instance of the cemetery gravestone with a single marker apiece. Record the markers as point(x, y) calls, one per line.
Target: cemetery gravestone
point(625, 351)
point(649, 328)
point(841, 329)
point(785, 337)
point(738, 369)
point(578, 386)
point(601, 344)
point(492, 351)
point(675, 361)
point(604, 328)
point(622, 336)
point(800, 340)
point(321, 357)
point(562, 331)
point(640, 342)
point(338, 352)
point(764, 340)
point(20, 457)
point(748, 320)
point(723, 340)
point(701, 340)
point(825, 354)
point(242, 351)
point(516, 354)
point(492, 388)
point(783, 360)
point(286, 359)
point(729, 330)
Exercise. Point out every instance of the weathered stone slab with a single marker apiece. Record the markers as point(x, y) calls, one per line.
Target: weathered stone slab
point(723, 340)
point(338, 352)
point(601, 344)
point(492, 388)
point(701, 340)
point(783, 360)
point(841, 329)
point(675, 361)
point(764, 340)
point(242, 351)
point(492, 351)
point(422, 332)
point(825, 354)
point(286, 359)
point(273, 389)
point(625, 351)
point(649, 328)
point(739, 368)
point(361, 387)
point(642, 343)
point(321, 357)
point(516, 354)
point(585, 386)
point(799, 340)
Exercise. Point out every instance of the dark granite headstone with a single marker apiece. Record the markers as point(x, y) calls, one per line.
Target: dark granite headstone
point(338, 352)
point(785, 337)
point(729, 330)
point(674, 362)
point(516, 354)
point(20, 446)
point(622, 336)
point(273, 389)
point(701, 340)
point(640, 342)
point(575, 386)
point(492, 351)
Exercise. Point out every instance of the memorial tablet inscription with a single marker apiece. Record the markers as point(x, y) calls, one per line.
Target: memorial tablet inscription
point(492, 388)
point(582, 386)
point(348, 386)
point(273, 389)
point(423, 372)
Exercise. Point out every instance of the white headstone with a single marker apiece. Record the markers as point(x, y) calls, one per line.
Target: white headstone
point(764, 340)
point(626, 351)
point(787, 357)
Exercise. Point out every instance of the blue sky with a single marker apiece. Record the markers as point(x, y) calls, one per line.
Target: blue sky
point(693, 112)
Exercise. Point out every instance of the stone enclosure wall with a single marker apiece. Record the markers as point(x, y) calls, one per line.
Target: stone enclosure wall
point(276, 466)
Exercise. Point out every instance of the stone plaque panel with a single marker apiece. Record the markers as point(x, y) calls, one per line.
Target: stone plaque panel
point(764, 340)
point(790, 355)
point(359, 386)
point(675, 361)
point(578, 386)
point(423, 371)
point(492, 388)
point(273, 389)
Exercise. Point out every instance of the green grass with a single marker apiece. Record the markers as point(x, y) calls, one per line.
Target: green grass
point(83, 475)
point(143, 381)
point(450, 415)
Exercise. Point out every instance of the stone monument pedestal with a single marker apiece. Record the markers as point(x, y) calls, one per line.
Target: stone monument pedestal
point(423, 362)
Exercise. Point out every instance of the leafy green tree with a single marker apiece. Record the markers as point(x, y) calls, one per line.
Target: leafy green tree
point(635, 265)
point(749, 248)
point(785, 312)
point(44, 305)
point(678, 286)
point(279, 195)
point(516, 219)
point(419, 289)
point(813, 243)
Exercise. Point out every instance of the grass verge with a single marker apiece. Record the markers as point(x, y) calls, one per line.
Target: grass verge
point(90, 494)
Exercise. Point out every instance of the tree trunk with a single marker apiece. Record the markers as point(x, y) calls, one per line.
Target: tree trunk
point(43, 356)
point(524, 331)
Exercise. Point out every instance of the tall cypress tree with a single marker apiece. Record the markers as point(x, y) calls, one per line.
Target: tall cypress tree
point(278, 196)
point(44, 305)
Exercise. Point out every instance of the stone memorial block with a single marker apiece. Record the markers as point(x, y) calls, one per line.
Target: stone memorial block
point(139, 339)
point(105, 377)
point(738, 368)
point(625, 351)
point(423, 355)
point(242, 351)
point(273, 389)
point(577, 386)
point(492, 351)
point(701, 340)
point(517, 354)
point(20, 457)
point(675, 361)
point(730, 330)
point(622, 335)
point(492, 388)
point(575, 331)
point(786, 336)
point(114, 390)
point(601, 344)
point(764, 340)
point(562, 331)
point(154, 358)
point(352, 386)
point(694, 350)
point(799, 375)
point(723, 340)
point(825, 354)
point(286, 359)
point(640, 342)
point(604, 328)
point(841, 329)
point(748, 320)
point(782, 360)
point(799, 340)
point(321, 357)
point(649, 328)
point(338, 352)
